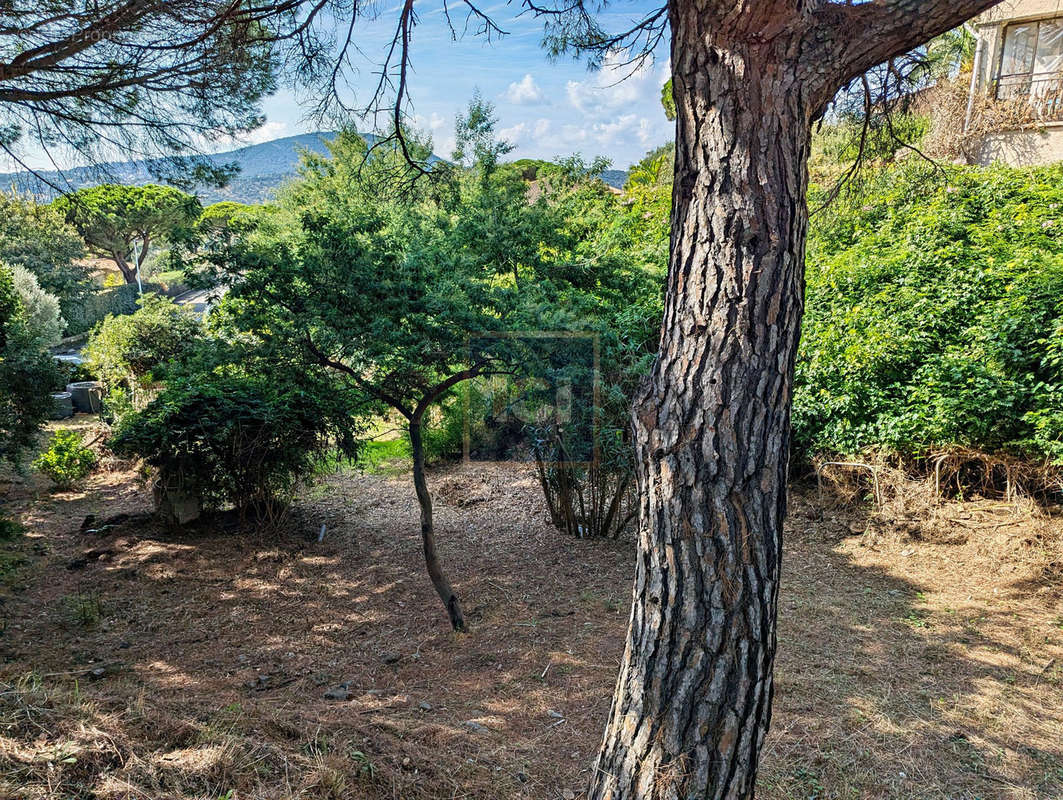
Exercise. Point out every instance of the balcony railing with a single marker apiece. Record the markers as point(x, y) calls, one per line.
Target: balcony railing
point(1042, 92)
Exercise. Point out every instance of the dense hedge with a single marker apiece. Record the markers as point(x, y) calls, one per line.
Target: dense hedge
point(117, 301)
point(934, 315)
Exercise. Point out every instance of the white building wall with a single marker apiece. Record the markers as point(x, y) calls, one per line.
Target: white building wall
point(1025, 147)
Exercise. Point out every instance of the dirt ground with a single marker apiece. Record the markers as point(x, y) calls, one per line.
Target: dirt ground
point(140, 663)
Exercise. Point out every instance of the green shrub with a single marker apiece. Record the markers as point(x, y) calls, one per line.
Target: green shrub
point(66, 461)
point(934, 313)
point(232, 438)
point(27, 375)
point(117, 404)
point(128, 351)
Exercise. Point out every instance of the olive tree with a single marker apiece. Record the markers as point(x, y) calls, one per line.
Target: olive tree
point(41, 315)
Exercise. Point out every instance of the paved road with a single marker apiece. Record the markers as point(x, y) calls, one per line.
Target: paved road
point(199, 300)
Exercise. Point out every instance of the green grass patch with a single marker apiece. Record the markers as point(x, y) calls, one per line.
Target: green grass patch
point(385, 456)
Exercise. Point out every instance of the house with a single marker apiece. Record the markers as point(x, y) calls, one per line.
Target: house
point(1015, 108)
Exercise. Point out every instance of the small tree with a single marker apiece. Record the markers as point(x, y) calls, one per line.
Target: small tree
point(385, 294)
point(121, 222)
point(43, 320)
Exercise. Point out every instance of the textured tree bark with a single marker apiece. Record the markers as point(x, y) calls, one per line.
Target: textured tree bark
point(428, 537)
point(712, 425)
point(693, 700)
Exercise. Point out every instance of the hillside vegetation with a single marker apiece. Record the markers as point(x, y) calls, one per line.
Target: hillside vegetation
point(934, 315)
point(269, 483)
point(934, 309)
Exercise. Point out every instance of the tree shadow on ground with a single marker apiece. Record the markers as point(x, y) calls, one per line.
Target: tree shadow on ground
point(218, 649)
point(910, 670)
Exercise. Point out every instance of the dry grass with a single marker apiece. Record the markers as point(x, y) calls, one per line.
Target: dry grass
point(921, 650)
point(953, 137)
point(922, 658)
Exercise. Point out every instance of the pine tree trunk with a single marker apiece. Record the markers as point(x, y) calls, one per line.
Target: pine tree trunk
point(693, 700)
point(428, 537)
point(128, 274)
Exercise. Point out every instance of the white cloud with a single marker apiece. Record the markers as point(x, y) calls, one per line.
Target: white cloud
point(617, 111)
point(514, 134)
point(525, 92)
point(618, 86)
point(542, 128)
point(266, 133)
point(612, 133)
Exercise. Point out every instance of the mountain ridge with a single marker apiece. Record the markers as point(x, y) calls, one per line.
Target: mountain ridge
point(264, 168)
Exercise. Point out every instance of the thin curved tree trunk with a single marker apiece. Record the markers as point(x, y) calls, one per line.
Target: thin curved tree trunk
point(428, 537)
point(693, 700)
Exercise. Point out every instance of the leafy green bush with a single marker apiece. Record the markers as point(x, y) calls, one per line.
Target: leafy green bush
point(128, 351)
point(27, 375)
point(232, 438)
point(41, 315)
point(66, 461)
point(934, 316)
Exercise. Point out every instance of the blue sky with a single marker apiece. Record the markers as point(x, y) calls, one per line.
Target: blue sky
point(546, 108)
